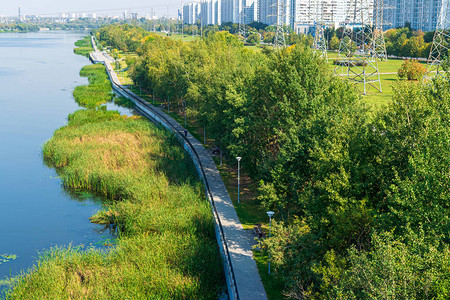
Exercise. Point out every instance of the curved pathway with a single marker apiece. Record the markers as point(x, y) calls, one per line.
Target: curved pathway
point(235, 243)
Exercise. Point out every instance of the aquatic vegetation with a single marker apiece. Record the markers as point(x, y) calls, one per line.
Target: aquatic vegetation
point(84, 46)
point(4, 258)
point(166, 245)
point(98, 91)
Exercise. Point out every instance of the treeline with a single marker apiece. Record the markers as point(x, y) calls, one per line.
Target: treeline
point(79, 24)
point(401, 42)
point(18, 27)
point(361, 199)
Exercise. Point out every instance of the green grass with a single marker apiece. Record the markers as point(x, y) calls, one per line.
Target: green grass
point(84, 46)
point(166, 247)
point(99, 90)
point(248, 210)
point(388, 75)
point(177, 36)
point(250, 213)
point(254, 48)
point(272, 284)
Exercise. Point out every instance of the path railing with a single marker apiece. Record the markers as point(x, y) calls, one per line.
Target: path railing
point(153, 113)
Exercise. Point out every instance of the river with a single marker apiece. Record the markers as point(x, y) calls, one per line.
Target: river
point(38, 72)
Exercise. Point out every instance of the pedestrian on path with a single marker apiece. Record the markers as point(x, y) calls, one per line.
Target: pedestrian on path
point(185, 132)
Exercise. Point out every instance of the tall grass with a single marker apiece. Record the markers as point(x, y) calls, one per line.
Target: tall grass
point(166, 246)
point(99, 90)
point(84, 46)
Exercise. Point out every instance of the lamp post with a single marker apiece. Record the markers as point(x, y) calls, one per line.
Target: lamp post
point(184, 106)
point(270, 214)
point(220, 149)
point(239, 174)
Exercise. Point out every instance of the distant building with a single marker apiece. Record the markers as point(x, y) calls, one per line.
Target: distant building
point(250, 8)
point(207, 15)
point(191, 13)
point(301, 15)
point(267, 11)
point(421, 14)
point(305, 14)
point(230, 10)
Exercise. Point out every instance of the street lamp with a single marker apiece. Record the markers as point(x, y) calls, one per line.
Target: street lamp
point(239, 174)
point(220, 149)
point(184, 105)
point(270, 214)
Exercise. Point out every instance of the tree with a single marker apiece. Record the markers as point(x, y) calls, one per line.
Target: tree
point(254, 38)
point(411, 69)
point(334, 43)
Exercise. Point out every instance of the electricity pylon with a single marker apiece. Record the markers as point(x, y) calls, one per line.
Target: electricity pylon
point(279, 41)
point(242, 24)
point(320, 41)
point(378, 35)
point(440, 47)
point(357, 59)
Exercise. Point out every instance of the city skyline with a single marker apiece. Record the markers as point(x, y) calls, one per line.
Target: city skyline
point(101, 7)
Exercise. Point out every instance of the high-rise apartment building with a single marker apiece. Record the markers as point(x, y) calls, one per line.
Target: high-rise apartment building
point(267, 11)
point(305, 13)
point(301, 15)
point(191, 13)
point(250, 13)
point(421, 14)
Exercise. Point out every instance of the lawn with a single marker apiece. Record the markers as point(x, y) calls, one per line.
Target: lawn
point(388, 76)
point(177, 36)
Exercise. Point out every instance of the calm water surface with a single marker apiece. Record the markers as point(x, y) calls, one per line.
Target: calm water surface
point(38, 72)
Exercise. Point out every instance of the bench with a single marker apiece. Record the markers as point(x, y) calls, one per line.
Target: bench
point(257, 231)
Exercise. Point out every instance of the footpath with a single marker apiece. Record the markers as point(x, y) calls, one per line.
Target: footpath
point(235, 243)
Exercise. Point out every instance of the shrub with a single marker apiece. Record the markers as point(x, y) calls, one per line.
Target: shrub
point(411, 69)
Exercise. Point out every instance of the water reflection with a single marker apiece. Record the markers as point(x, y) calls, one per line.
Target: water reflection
point(38, 74)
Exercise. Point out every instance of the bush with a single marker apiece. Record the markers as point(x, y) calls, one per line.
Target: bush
point(411, 69)
point(254, 38)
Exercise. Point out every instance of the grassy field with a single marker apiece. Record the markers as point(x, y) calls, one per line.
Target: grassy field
point(388, 77)
point(177, 36)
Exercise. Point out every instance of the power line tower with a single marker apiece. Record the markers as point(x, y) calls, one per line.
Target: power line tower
point(320, 41)
point(440, 47)
point(378, 35)
point(242, 24)
point(357, 59)
point(182, 20)
point(279, 41)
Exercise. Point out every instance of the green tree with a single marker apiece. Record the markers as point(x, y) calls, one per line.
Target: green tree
point(411, 69)
point(254, 38)
point(334, 43)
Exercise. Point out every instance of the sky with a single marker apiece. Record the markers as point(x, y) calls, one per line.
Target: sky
point(101, 7)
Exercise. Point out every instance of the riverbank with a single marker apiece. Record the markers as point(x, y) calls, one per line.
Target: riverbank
point(166, 246)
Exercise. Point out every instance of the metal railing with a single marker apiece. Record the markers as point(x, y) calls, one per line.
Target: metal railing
point(220, 236)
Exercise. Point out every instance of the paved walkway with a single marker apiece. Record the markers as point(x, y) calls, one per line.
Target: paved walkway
point(243, 279)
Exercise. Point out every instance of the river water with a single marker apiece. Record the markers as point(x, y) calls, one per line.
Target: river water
point(38, 72)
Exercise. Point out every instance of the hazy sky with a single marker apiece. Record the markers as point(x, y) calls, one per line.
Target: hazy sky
point(101, 7)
